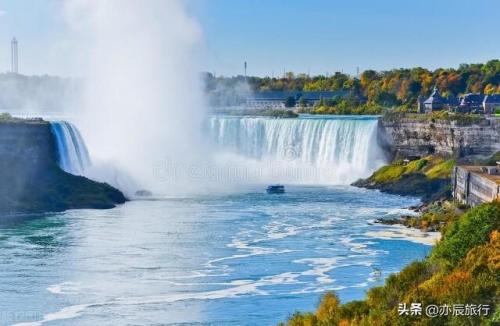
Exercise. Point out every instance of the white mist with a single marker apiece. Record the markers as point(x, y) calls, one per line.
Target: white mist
point(142, 109)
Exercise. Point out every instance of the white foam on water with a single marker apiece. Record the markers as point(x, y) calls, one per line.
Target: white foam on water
point(64, 288)
point(236, 288)
point(359, 285)
point(65, 313)
point(320, 268)
point(402, 211)
point(255, 251)
point(312, 289)
point(358, 247)
point(279, 230)
point(400, 232)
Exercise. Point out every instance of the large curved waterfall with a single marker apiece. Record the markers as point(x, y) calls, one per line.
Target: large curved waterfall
point(73, 156)
point(311, 150)
point(246, 150)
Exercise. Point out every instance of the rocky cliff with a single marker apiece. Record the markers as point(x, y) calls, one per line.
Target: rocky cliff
point(31, 180)
point(406, 136)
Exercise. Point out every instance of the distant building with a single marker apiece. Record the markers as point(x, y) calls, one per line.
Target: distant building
point(276, 99)
point(435, 102)
point(491, 103)
point(468, 103)
point(452, 102)
point(474, 185)
point(471, 102)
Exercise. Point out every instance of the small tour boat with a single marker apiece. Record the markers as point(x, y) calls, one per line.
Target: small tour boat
point(275, 189)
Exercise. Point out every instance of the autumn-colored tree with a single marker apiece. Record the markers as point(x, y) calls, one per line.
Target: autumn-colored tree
point(328, 311)
point(384, 88)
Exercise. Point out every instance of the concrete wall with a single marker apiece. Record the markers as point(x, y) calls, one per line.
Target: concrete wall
point(473, 189)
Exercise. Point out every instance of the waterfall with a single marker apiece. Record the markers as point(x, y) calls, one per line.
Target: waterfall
point(73, 156)
point(254, 150)
point(307, 150)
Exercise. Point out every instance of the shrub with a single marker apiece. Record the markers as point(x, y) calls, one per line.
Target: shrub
point(416, 165)
point(5, 116)
point(329, 309)
point(492, 160)
point(441, 170)
point(471, 230)
point(354, 310)
point(305, 319)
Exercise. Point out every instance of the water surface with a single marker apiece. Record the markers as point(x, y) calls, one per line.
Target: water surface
point(235, 259)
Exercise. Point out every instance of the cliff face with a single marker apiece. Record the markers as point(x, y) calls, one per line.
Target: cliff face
point(405, 137)
point(31, 180)
point(28, 143)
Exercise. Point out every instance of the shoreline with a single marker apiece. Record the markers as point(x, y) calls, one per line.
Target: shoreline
point(406, 233)
point(399, 228)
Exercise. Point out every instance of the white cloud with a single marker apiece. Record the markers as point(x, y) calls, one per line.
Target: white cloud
point(2, 12)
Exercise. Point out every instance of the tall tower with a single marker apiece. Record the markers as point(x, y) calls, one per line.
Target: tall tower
point(245, 66)
point(13, 54)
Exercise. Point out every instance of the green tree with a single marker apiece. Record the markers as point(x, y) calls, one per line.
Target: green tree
point(290, 102)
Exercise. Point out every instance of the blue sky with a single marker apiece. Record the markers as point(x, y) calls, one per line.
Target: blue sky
point(316, 36)
point(328, 35)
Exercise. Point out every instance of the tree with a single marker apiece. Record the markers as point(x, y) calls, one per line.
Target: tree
point(386, 99)
point(302, 102)
point(290, 102)
point(328, 311)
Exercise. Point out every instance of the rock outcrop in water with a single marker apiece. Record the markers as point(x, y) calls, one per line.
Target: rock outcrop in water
point(427, 178)
point(31, 179)
point(420, 135)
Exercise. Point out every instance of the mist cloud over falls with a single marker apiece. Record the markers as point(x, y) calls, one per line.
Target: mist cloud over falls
point(142, 103)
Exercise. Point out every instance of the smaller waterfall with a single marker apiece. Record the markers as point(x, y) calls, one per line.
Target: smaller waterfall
point(73, 156)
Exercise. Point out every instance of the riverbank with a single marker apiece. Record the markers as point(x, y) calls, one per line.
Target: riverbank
point(462, 268)
point(427, 178)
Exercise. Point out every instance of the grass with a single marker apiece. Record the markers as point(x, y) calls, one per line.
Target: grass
point(427, 178)
point(388, 173)
point(433, 167)
point(395, 170)
point(441, 170)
